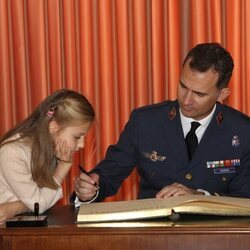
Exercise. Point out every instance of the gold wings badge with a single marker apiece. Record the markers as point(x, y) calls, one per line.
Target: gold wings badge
point(153, 156)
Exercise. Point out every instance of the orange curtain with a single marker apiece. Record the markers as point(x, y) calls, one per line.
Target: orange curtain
point(121, 54)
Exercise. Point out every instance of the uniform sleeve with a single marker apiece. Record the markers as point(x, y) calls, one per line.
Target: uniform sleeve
point(240, 185)
point(119, 161)
point(16, 175)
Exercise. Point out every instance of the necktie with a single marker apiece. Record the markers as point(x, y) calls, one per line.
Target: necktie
point(191, 139)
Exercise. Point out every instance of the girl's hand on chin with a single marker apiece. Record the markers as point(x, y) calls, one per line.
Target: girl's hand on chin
point(63, 152)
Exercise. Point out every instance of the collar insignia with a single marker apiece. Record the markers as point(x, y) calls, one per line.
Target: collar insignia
point(172, 113)
point(219, 118)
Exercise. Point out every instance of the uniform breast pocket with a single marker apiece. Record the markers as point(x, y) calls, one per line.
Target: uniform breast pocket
point(221, 173)
point(219, 179)
point(150, 164)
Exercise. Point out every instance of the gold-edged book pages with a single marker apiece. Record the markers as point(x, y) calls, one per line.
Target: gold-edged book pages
point(156, 208)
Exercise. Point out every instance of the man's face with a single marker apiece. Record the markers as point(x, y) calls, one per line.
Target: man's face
point(197, 92)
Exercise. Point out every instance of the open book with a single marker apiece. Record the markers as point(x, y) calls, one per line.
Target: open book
point(155, 208)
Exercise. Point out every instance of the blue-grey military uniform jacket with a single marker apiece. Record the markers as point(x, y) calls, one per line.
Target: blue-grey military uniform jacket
point(153, 141)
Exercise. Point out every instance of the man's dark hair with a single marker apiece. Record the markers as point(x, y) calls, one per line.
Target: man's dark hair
point(212, 55)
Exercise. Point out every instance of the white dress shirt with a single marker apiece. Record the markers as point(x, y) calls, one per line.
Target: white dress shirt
point(186, 124)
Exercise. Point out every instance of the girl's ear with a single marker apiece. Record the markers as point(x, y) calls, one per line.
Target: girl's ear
point(224, 93)
point(53, 127)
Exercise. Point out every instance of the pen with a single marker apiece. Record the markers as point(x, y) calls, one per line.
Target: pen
point(36, 209)
point(83, 171)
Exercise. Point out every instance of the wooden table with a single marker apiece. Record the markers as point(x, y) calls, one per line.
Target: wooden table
point(190, 232)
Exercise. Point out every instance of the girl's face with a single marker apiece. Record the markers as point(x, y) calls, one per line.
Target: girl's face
point(73, 135)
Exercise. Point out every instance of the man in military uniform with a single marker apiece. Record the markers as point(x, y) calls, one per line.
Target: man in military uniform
point(212, 159)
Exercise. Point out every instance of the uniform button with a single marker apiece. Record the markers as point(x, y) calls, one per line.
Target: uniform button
point(153, 173)
point(189, 176)
point(224, 178)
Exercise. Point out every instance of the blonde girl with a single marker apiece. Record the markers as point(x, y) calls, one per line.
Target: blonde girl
point(37, 154)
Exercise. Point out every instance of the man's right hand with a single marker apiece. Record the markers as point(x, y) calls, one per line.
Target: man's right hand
point(86, 186)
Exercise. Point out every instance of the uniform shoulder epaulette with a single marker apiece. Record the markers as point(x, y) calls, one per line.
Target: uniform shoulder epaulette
point(235, 111)
point(155, 105)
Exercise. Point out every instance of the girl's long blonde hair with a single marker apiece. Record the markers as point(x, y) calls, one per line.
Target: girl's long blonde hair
point(64, 106)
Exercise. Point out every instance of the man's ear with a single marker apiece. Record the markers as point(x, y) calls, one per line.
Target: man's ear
point(53, 127)
point(224, 93)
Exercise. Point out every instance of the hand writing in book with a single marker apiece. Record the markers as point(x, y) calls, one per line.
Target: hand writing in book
point(175, 189)
point(86, 186)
